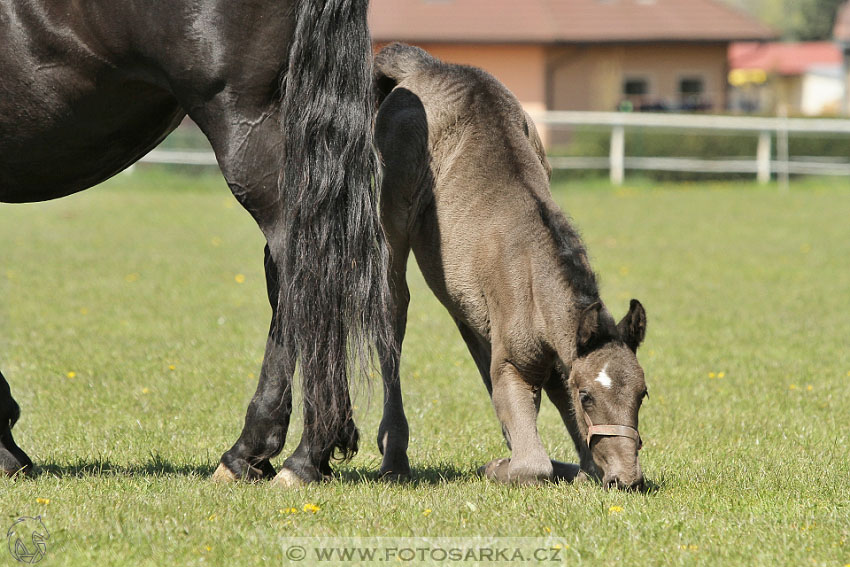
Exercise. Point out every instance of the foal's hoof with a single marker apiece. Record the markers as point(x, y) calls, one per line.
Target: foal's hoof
point(497, 470)
point(287, 478)
point(501, 470)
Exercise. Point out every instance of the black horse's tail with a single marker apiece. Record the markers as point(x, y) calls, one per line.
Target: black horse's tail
point(334, 294)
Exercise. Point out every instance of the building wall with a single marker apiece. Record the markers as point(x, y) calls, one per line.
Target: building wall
point(591, 77)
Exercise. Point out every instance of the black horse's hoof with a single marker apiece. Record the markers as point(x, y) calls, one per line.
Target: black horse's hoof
point(15, 463)
point(13, 460)
point(262, 471)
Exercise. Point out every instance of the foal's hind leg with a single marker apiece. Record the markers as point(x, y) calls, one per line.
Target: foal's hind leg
point(267, 420)
point(393, 433)
point(12, 459)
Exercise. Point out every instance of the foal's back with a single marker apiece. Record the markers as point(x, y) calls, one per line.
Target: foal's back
point(465, 175)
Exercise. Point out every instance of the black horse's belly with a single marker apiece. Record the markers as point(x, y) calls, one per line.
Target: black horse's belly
point(74, 106)
point(103, 134)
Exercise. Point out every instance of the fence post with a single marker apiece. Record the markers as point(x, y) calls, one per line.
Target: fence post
point(782, 148)
point(618, 154)
point(763, 157)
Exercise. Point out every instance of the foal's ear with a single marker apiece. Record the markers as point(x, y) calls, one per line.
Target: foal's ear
point(588, 325)
point(633, 326)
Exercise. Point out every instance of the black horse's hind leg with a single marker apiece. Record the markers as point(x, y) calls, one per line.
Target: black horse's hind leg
point(267, 419)
point(12, 459)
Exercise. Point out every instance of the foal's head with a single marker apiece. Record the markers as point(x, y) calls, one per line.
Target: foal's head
point(607, 387)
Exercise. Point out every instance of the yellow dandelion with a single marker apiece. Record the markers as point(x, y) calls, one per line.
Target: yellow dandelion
point(547, 529)
point(171, 367)
point(213, 518)
point(721, 374)
point(208, 548)
point(311, 508)
point(71, 375)
point(792, 387)
point(809, 388)
point(711, 375)
point(615, 509)
point(146, 390)
point(43, 501)
point(289, 511)
point(427, 512)
point(239, 278)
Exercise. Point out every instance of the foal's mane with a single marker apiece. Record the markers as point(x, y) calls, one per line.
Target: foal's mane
point(572, 255)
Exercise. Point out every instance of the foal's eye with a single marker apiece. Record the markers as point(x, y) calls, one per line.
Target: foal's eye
point(585, 397)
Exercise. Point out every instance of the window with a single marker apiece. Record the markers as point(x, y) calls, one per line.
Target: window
point(635, 87)
point(692, 94)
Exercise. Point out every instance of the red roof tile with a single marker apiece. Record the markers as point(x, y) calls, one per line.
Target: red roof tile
point(561, 21)
point(783, 58)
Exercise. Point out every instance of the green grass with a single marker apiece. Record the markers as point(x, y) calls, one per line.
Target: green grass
point(133, 287)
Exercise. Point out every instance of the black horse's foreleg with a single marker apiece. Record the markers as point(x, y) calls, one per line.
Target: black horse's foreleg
point(267, 419)
point(12, 459)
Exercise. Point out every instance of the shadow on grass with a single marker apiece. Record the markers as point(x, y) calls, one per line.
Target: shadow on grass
point(421, 476)
point(155, 466)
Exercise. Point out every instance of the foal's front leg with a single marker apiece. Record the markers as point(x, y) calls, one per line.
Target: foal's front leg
point(516, 403)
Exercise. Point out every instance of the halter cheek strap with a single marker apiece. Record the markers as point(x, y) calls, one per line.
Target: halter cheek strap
point(611, 431)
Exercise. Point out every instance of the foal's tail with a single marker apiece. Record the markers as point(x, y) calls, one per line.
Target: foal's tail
point(335, 292)
point(397, 61)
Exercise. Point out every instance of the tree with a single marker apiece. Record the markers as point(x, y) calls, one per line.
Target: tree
point(802, 20)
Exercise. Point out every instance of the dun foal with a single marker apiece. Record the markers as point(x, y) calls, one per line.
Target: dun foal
point(466, 188)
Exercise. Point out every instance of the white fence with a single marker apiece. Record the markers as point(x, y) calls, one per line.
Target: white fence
point(762, 165)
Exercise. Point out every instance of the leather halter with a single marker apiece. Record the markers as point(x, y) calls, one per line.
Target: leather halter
point(611, 431)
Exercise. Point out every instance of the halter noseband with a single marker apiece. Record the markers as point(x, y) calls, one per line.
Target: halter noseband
point(611, 431)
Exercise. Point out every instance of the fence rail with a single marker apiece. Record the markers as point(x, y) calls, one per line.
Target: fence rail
point(763, 165)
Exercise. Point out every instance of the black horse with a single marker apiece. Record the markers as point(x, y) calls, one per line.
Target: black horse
point(282, 89)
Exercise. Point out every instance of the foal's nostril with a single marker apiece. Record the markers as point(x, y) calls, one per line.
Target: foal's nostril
point(614, 482)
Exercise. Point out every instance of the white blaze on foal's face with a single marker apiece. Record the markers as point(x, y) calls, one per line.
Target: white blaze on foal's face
point(603, 377)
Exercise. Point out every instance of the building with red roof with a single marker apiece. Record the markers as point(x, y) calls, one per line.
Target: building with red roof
point(582, 54)
point(801, 78)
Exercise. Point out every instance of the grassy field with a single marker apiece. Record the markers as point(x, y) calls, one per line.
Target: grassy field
point(132, 321)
